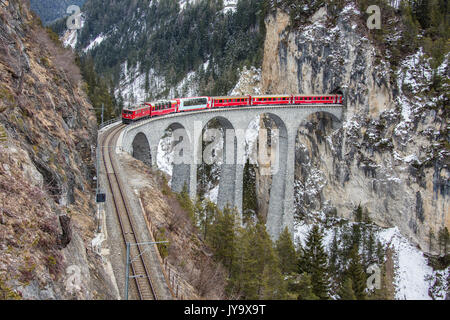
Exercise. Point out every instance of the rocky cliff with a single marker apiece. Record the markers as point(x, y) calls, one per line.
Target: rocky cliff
point(391, 152)
point(47, 130)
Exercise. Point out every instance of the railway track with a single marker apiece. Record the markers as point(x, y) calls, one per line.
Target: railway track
point(138, 267)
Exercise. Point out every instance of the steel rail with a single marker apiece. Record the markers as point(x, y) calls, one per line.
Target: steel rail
point(139, 268)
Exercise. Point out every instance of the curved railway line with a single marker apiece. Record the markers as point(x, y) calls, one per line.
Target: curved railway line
point(138, 266)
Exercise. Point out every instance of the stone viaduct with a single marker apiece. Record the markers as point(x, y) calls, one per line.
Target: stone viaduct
point(142, 139)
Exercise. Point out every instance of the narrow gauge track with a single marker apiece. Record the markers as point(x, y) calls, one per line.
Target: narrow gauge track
point(139, 269)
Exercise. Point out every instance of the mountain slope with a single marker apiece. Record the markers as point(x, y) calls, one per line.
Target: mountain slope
point(152, 49)
point(46, 199)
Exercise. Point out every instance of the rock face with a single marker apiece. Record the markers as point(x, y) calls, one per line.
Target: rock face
point(47, 203)
point(389, 154)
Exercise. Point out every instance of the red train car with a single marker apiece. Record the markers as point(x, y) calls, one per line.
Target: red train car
point(317, 99)
point(135, 113)
point(159, 108)
point(230, 101)
point(271, 100)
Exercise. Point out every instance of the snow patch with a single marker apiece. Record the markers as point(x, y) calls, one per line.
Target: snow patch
point(100, 38)
point(411, 269)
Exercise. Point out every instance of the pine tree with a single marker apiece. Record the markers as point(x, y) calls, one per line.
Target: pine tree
point(409, 36)
point(223, 236)
point(315, 262)
point(370, 248)
point(274, 286)
point(199, 213)
point(210, 213)
point(356, 235)
point(255, 270)
point(345, 291)
point(305, 291)
point(334, 253)
point(380, 252)
point(186, 202)
point(356, 273)
point(286, 252)
point(358, 212)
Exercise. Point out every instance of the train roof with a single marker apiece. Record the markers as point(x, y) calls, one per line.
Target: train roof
point(133, 107)
point(271, 96)
point(160, 101)
point(315, 95)
point(230, 97)
point(206, 97)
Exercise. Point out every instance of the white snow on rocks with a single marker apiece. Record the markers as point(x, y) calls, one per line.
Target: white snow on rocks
point(411, 269)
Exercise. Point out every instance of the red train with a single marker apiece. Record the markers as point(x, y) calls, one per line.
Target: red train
point(163, 107)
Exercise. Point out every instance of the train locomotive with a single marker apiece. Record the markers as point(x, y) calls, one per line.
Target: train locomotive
point(148, 110)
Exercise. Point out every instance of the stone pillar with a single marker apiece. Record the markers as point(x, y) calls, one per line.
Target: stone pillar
point(154, 154)
point(181, 175)
point(227, 180)
point(239, 188)
point(277, 190)
point(240, 163)
point(193, 181)
point(288, 218)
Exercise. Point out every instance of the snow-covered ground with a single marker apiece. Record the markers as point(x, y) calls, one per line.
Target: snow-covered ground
point(411, 266)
